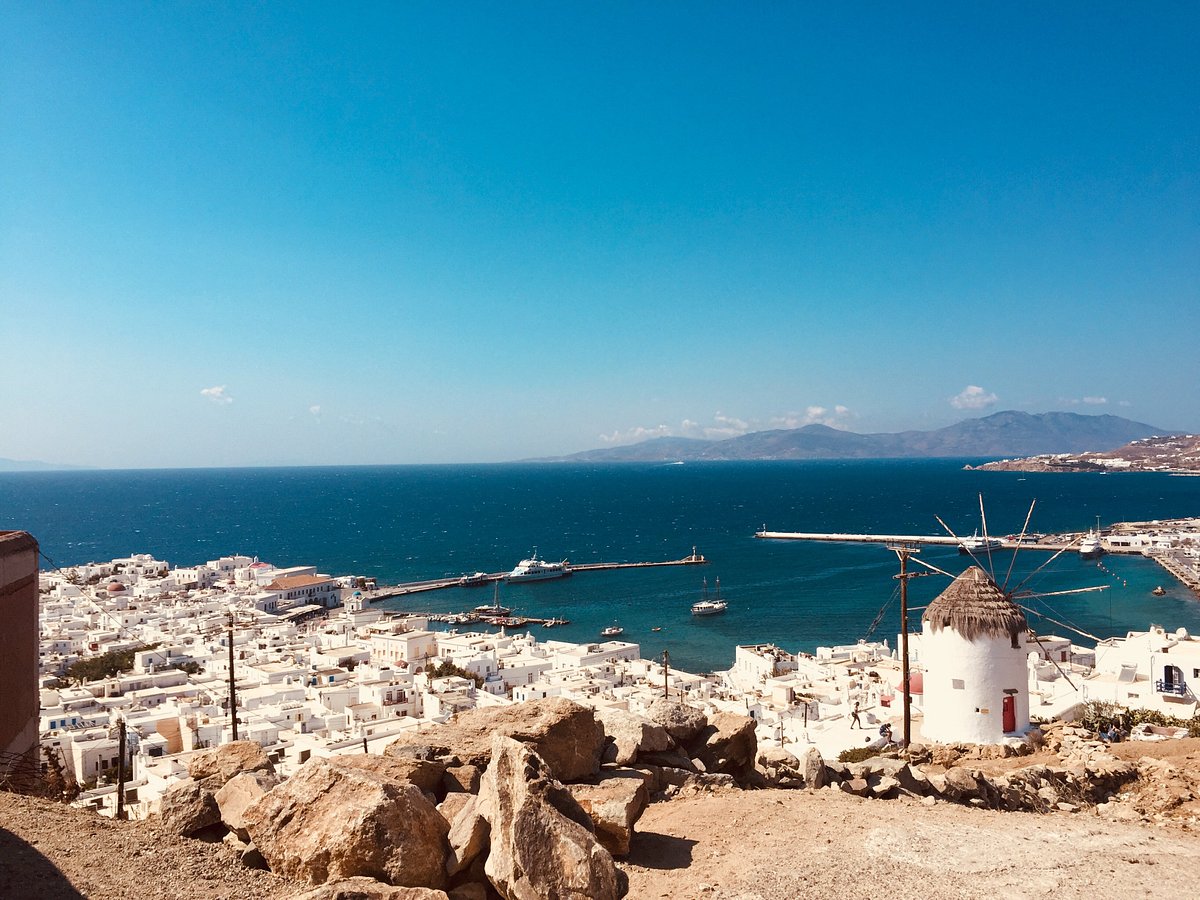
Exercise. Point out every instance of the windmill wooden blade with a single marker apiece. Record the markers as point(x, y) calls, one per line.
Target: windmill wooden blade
point(1020, 541)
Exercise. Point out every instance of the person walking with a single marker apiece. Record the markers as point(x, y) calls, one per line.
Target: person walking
point(854, 722)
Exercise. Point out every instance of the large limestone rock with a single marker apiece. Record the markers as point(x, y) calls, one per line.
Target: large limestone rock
point(564, 734)
point(812, 766)
point(729, 746)
point(188, 807)
point(469, 833)
point(238, 794)
point(632, 734)
point(541, 846)
point(216, 766)
point(360, 888)
point(778, 767)
point(614, 806)
point(426, 774)
point(346, 816)
point(682, 723)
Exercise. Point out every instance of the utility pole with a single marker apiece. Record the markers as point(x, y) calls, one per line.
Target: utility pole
point(903, 551)
point(232, 683)
point(121, 767)
point(666, 670)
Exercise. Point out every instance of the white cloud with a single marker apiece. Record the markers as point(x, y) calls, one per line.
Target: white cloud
point(638, 433)
point(973, 397)
point(813, 415)
point(315, 409)
point(217, 395)
point(1083, 401)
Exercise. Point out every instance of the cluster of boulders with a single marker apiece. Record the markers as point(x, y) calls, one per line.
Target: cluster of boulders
point(1036, 788)
point(944, 772)
point(523, 801)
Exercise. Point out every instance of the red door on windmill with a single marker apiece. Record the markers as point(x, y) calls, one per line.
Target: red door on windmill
point(1009, 712)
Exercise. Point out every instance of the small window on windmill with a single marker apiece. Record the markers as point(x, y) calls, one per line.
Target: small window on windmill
point(957, 684)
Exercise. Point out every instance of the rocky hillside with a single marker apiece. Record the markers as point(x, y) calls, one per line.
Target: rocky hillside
point(1172, 453)
point(482, 811)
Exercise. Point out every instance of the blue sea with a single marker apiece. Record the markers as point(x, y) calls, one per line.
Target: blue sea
point(408, 523)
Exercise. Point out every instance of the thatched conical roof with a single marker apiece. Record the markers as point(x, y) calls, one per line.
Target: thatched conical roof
point(974, 606)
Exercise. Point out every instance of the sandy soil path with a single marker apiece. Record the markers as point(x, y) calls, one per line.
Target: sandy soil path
point(763, 845)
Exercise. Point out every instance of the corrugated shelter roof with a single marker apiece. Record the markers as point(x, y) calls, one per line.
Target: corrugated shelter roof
point(974, 606)
point(290, 582)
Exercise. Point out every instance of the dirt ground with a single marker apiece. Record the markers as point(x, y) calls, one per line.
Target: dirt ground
point(770, 845)
point(50, 851)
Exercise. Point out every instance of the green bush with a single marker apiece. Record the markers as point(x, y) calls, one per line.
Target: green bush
point(446, 669)
point(857, 754)
point(1100, 716)
point(106, 665)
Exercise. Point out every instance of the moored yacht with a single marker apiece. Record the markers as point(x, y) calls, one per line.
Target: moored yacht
point(1090, 547)
point(710, 606)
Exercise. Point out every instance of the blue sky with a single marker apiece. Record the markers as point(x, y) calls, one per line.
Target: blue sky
point(283, 233)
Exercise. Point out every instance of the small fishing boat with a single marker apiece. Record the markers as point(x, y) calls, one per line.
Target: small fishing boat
point(612, 630)
point(1159, 591)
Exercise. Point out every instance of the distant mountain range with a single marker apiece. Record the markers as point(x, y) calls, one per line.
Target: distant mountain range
point(29, 465)
point(1003, 434)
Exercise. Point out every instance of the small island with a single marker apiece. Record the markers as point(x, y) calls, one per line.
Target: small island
point(1177, 454)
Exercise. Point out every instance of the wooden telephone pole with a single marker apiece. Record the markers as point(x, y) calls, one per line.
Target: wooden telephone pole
point(232, 682)
point(121, 776)
point(904, 551)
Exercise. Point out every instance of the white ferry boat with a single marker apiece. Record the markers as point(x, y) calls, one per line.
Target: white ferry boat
point(977, 544)
point(534, 569)
point(710, 606)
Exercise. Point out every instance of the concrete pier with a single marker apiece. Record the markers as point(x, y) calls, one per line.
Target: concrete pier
point(1177, 561)
point(435, 584)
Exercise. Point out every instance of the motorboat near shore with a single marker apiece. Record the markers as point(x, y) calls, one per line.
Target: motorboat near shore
point(534, 569)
